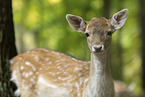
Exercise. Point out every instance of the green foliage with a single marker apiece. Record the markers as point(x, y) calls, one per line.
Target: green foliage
point(42, 23)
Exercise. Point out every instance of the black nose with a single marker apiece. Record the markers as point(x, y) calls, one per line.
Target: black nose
point(98, 48)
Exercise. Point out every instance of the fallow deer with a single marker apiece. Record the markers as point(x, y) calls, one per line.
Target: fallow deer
point(49, 73)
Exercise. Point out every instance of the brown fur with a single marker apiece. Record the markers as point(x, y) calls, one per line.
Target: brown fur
point(48, 73)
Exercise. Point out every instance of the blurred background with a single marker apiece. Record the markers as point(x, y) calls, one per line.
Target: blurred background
point(42, 24)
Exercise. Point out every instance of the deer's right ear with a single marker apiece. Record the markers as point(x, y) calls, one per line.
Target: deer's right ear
point(76, 22)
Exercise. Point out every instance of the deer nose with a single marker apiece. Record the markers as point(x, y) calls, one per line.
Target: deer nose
point(98, 48)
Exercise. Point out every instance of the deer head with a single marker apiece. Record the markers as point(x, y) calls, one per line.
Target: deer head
point(99, 30)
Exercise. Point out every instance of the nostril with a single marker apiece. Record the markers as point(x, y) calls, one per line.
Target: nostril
point(98, 48)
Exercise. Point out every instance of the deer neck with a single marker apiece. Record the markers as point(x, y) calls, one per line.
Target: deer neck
point(100, 83)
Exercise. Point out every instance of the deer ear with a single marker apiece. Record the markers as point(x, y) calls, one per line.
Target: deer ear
point(119, 18)
point(76, 22)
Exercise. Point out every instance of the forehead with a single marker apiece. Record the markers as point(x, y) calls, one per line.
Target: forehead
point(98, 23)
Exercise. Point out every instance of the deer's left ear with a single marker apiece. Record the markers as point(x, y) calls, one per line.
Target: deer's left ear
point(119, 18)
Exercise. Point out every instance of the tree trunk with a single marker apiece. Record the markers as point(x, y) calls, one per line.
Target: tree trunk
point(107, 8)
point(142, 20)
point(7, 47)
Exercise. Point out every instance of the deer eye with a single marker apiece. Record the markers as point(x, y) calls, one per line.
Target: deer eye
point(109, 33)
point(87, 34)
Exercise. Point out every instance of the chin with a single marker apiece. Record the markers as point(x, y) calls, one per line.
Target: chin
point(97, 52)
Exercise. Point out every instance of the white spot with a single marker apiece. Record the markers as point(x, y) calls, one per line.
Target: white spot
point(11, 61)
point(59, 77)
point(86, 80)
point(36, 58)
point(42, 57)
point(57, 61)
point(57, 54)
point(76, 69)
point(30, 85)
point(62, 70)
point(77, 85)
point(47, 59)
point(62, 54)
point(70, 84)
point(20, 58)
point(86, 68)
point(49, 62)
point(43, 81)
point(64, 84)
point(32, 80)
point(81, 81)
point(14, 77)
point(45, 50)
point(53, 74)
point(58, 64)
point(79, 74)
point(65, 78)
point(34, 68)
point(23, 73)
point(58, 67)
point(65, 72)
point(53, 52)
point(37, 73)
point(79, 94)
point(30, 73)
point(17, 93)
point(23, 81)
point(67, 69)
point(34, 76)
point(55, 80)
point(27, 63)
point(26, 75)
point(58, 73)
point(61, 60)
point(40, 68)
point(50, 72)
point(40, 62)
point(74, 59)
point(22, 67)
point(25, 87)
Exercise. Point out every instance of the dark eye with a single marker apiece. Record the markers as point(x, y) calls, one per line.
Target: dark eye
point(87, 34)
point(109, 33)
